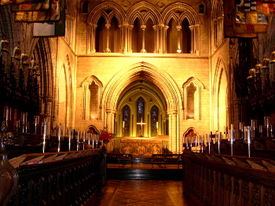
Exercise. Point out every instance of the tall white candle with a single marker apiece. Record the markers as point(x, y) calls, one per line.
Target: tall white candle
point(219, 142)
point(77, 144)
point(157, 125)
point(70, 136)
point(44, 136)
point(248, 140)
point(231, 139)
point(59, 137)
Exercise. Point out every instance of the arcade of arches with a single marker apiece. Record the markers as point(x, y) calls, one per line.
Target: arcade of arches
point(136, 68)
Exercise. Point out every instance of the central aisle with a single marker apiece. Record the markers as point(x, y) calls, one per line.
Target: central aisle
point(141, 193)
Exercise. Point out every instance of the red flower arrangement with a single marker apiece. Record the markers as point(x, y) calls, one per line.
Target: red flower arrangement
point(105, 136)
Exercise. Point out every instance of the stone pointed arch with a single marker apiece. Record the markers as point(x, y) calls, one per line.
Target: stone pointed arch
point(220, 96)
point(87, 112)
point(161, 79)
point(199, 86)
point(143, 5)
point(99, 11)
point(88, 80)
point(186, 10)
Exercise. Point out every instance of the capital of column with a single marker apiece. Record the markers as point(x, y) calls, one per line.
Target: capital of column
point(143, 27)
point(107, 26)
point(191, 27)
point(93, 25)
point(165, 27)
point(178, 28)
point(155, 27)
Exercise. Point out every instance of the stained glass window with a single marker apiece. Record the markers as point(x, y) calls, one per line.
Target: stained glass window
point(140, 116)
point(154, 121)
point(126, 120)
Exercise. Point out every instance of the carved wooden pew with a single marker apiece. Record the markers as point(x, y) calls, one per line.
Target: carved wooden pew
point(229, 180)
point(65, 178)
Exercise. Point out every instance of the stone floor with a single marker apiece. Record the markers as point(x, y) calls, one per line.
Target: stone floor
point(141, 193)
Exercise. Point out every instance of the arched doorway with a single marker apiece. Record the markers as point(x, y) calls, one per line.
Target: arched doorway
point(141, 111)
point(113, 92)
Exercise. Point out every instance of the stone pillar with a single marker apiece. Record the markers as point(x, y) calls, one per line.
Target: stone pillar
point(107, 50)
point(91, 38)
point(156, 38)
point(125, 37)
point(196, 39)
point(143, 27)
point(164, 38)
point(130, 36)
point(179, 38)
point(192, 27)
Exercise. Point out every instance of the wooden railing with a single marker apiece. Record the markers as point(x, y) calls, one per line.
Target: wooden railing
point(218, 180)
point(65, 178)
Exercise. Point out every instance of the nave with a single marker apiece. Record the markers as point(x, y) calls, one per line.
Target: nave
point(140, 193)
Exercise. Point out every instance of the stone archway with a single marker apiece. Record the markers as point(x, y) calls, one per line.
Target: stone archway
point(158, 77)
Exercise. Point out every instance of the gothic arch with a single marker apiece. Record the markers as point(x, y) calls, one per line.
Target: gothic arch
point(137, 9)
point(186, 10)
point(161, 79)
point(85, 84)
point(199, 86)
point(220, 96)
point(100, 9)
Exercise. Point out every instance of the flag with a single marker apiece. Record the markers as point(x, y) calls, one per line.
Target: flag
point(45, 5)
point(266, 8)
point(51, 29)
point(43, 15)
point(4, 2)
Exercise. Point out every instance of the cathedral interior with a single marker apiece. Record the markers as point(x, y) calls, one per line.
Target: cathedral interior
point(90, 88)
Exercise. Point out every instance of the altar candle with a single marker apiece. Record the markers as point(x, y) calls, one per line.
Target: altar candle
point(7, 113)
point(77, 146)
point(59, 137)
point(123, 124)
point(44, 136)
point(157, 125)
point(93, 141)
point(248, 140)
point(231, 139)
point(219, 142)
point(209, 144)
point(89, 138)
point(70, 133)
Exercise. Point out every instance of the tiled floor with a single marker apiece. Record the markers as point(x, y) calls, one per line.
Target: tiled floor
point(141, 193)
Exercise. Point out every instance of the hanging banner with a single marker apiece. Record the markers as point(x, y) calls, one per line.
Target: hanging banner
point(241, 19)
point(51, 14)
point(51, 29)
point(4, 2)
point(45, 5)
point(266, 8)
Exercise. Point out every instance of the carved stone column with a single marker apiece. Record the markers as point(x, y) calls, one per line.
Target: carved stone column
point(129, 38)
point(107, 50)
point(179, 38)
point(91, 38)
point(164, 38)
point(193, 39)
point(156, 38)
point(143, 27)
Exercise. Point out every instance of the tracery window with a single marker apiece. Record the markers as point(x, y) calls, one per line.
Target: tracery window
point(126, 112)
point(191, 89)
point(93, 99)
point(186, 37)
point(115, 36)
point(100, 36)
point(154, 120)
point(172, 37)
point(140, 116)
point(137, 36)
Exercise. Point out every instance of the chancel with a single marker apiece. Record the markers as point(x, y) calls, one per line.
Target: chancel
point(95, 93)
